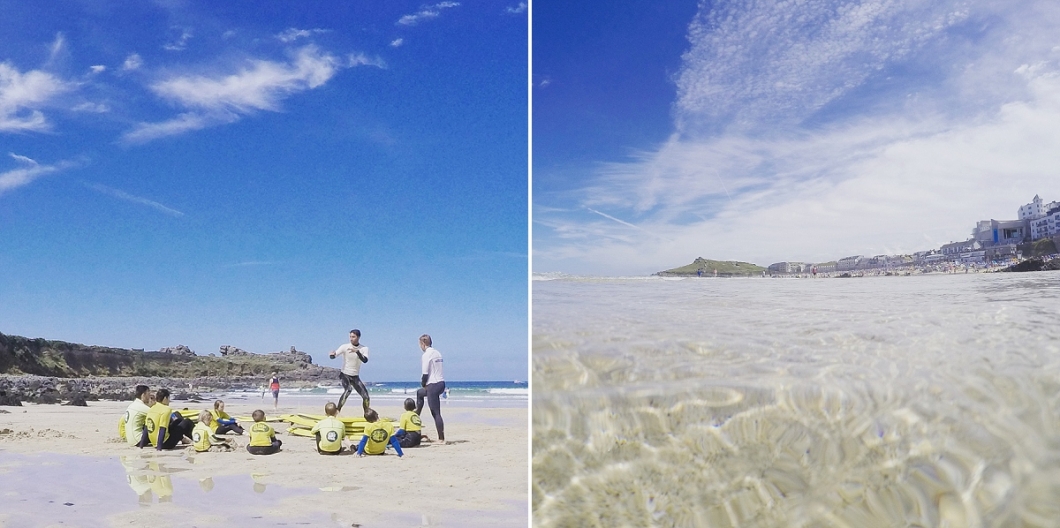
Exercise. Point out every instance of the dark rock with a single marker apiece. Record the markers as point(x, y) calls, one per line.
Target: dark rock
point(48, 397)
point(9, 399)
point(1035, 264)
point(78, 401)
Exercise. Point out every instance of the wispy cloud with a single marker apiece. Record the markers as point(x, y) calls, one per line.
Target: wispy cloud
point(293, 34)
point(56, 47)
point(132, 62)
point(22, 95)
point(397, 42)
point(521, 8)
point(93, 108)
point(360, 59)
point(426, 13)
point(181, 42)
point(122, 195)
point(839, 128)
point(253, 263)
point(225, 98)
point(29, 171)
point(97, 69)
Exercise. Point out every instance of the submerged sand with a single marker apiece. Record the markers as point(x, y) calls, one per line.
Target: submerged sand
point(65, 465)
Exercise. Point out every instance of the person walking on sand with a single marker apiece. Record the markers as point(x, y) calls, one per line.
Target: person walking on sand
point(274, 386)
point(354, 354)
point(432, 384)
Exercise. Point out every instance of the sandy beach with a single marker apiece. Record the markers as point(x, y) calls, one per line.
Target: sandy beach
point(65, 466)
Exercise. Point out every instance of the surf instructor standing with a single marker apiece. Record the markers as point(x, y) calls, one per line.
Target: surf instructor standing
point(432, 382)
point(353, 356)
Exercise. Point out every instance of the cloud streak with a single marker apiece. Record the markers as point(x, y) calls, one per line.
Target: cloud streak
point(30, 171)
point(426, 13)
point(122, 195)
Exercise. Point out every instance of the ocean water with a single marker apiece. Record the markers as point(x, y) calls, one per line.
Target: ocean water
point(927, 400)
point(478, 394)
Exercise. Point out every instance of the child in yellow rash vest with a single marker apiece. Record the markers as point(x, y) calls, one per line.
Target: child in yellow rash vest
point(329, 431)
point(202, 437)
point(165, 429)
point(222, 422)
point(376, 436)
point(409, 427)
point(263, 439)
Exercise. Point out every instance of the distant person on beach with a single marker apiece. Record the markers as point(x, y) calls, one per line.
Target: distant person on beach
point(274, 386)
point(432, 384)
point(409, 426)
point(263, 439)
point(353, 356)
point(164, 427)
point(202, 436)
point(135, 416)
point(329, 431)
point(222, 422)
point(376, 436)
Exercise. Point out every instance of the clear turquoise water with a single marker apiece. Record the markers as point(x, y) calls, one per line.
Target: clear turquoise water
point(891, 401)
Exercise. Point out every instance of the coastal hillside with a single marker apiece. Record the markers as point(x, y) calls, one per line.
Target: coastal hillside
point(41, 357)
point(706, 267)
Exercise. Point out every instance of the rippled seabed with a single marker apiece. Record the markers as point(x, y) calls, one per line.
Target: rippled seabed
point(888, 401)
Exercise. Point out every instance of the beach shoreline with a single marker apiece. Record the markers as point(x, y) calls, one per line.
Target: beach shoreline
point(479, 475)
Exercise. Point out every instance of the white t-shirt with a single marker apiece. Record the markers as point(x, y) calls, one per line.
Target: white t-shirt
point(431, 361)
point(351, 364)
point(134, 421)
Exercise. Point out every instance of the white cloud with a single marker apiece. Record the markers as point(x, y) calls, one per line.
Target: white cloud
point(260, 86)
point(57, 47)
point(22, 95)
point(831, 149)
point(397, 42)
point(360, 59)
point(293, 34)
point(132, 62)
point(98, 68)
point(219, 99)
point(93, 108)
point(521, 8)
point(426, 13)
point(122, 195)
point(30, 171)
point(185, 122)
point(179, 43)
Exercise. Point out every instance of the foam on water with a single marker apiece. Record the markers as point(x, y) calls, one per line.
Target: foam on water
point(889, 401)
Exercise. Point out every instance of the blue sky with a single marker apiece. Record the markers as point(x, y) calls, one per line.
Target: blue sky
point(802, 130)
point(248, 174)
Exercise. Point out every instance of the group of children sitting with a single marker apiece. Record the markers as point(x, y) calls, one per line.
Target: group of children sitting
point(149, 421)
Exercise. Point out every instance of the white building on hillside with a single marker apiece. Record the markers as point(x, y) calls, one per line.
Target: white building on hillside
point(1040, 217)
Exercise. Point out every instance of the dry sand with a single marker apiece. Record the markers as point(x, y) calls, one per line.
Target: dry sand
point(64, 466)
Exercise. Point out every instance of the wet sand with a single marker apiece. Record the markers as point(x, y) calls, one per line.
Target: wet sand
point(65, 465)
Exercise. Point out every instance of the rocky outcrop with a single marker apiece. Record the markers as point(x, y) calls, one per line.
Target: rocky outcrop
point(1035, 264)
point(293, 356)
point(229, 350)
point(179, 350)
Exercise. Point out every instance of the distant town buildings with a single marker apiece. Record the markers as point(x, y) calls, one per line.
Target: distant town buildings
point(992, 240)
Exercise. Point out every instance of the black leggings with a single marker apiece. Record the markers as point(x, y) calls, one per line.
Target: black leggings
point(349, 384)
point(265, 450)
point(224, 428)
point(433, 393)
point(409, 439)
point(178, 428)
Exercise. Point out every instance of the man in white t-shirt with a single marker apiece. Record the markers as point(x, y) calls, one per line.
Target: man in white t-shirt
point(135, 416)
point(432, 382)
point(353, 356)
